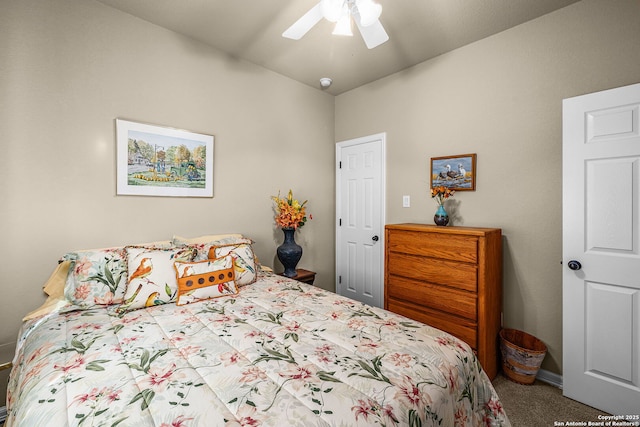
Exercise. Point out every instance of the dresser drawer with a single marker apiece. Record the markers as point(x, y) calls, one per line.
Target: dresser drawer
point(435, 245)
point(456, 326)
point(453, 274)
point(459, 303)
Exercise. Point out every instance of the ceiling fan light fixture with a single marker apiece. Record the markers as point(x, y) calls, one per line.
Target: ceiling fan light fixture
point(365, 14)
point(343, 26)
point(369, 12)
point(332, 9)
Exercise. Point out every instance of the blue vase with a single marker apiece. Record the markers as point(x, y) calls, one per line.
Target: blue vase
point(289, 252)
point(441, 217)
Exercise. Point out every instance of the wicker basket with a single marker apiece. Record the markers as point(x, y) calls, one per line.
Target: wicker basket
point(522, 355)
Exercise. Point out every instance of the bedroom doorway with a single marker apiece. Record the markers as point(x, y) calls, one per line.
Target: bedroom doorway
point(601, 249)
point(360, 218)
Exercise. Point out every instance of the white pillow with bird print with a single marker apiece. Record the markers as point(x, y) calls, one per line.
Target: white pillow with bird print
point(244, 261)
point(152, 279)
point(202, 280)
point(204, 249)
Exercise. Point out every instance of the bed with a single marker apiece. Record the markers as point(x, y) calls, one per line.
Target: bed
point(118, 345)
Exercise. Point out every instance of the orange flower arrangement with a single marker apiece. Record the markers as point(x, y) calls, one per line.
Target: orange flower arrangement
point(290, 213)
point(441, 193)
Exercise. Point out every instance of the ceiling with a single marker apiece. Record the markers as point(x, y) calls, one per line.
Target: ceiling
point(418, 30)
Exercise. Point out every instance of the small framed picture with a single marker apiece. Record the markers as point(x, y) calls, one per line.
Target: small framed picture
point(455, 172)
point(162, 161)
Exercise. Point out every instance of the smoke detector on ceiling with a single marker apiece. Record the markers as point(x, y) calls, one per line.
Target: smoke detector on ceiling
point(325, 82)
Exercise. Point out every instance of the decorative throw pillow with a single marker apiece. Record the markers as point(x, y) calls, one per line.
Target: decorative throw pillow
point(205, 243)
point(99, 276)
point(96, 277)
point(203, 280)
point(152, 279)
point(244, 262)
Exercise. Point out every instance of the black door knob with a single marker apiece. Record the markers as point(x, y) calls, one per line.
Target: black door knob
point(375, 238)
point(574, 265)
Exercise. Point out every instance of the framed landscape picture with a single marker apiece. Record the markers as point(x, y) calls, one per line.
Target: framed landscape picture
point(455, 172)
point(161, 161)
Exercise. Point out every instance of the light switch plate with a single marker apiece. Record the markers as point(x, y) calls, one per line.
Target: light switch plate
point(406, 201)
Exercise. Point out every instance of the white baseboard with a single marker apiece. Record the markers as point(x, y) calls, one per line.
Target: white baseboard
point(3, 414)
point(549, 378)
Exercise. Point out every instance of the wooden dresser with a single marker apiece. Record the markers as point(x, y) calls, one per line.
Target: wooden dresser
point(449, 278)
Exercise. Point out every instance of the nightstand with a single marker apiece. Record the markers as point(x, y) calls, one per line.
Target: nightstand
point(304, 276)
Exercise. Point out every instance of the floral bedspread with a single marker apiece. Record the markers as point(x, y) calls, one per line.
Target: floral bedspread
point(281, 353)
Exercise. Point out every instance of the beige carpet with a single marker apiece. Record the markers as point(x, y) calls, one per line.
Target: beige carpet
point(540, 404)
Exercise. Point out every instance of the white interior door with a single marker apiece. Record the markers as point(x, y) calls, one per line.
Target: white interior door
point(601, 250)
point(360, 184)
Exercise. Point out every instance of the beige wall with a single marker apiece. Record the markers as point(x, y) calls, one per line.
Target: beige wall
point(68, 68)
point(502, 99)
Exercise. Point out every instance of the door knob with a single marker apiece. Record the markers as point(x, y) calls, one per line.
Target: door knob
point(375, 238)
point(574, 265)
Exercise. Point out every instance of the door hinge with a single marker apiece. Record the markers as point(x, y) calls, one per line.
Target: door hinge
point(339, 279)
point(340, 222)
point(340, 164)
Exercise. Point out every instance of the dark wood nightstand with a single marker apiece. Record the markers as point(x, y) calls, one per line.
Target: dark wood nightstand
point(304, 276)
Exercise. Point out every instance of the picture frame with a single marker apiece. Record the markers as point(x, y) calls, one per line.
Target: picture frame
point(156, 160)
point(455, 172)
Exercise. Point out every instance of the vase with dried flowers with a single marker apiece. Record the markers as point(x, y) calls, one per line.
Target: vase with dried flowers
point(290, 215)
point(440, 194)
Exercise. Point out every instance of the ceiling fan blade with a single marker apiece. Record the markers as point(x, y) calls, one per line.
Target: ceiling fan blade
point(304, 24)
point(373, 35)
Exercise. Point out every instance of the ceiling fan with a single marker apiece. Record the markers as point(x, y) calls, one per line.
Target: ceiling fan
point(365, 13)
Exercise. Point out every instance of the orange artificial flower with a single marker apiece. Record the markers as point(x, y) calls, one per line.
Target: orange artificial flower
point(289, 212)
point(441, 193)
